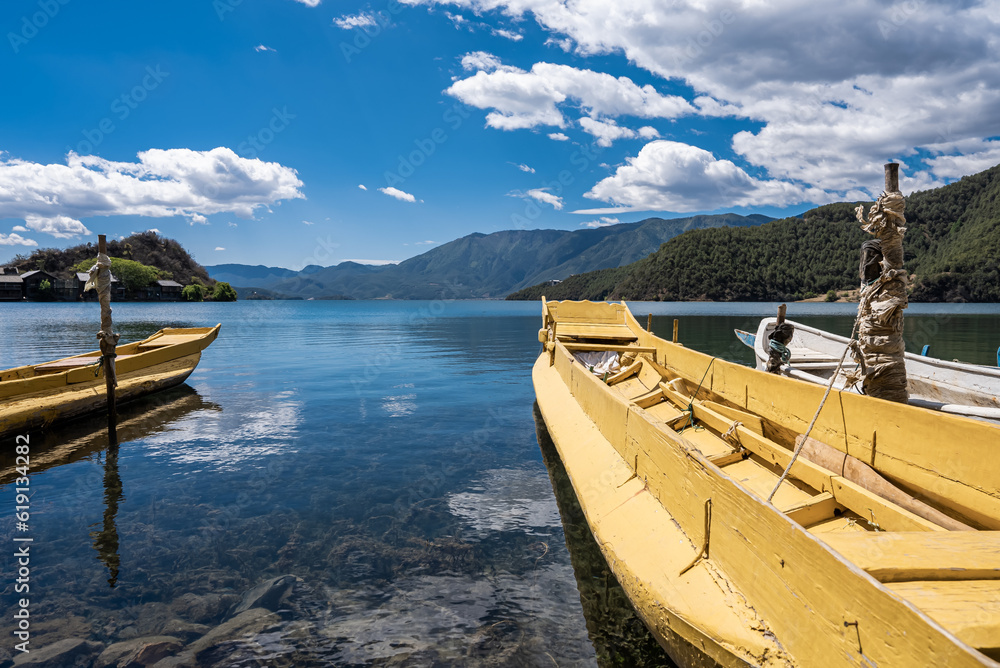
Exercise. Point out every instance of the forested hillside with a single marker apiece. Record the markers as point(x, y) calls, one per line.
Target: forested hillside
point(148, 248)
point(952, 248)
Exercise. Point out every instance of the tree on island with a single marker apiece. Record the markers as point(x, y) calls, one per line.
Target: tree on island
point(223, 292)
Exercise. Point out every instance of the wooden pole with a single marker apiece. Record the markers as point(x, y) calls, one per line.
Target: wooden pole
point(781, 313)
point(649, 322)
point(676, 322)
point(883, 294)
point(109, 341)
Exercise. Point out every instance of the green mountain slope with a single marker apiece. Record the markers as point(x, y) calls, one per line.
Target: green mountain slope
point(952, 249)
point(491, 265)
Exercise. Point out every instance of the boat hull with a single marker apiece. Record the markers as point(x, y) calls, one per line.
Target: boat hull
point(705, 558)
point(32, 400)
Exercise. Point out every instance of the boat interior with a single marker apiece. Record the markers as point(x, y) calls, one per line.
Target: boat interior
point(945, 565)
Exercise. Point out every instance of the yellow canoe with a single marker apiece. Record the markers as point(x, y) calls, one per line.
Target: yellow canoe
point(37, 396)
point(674, 456)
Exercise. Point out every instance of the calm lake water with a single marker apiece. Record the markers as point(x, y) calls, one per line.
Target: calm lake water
point(383, 454)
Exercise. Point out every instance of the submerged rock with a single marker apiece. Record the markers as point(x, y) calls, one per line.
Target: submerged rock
point(202, 609)
point(138, 652)
point(267, 594)
point(186, 631)
point(244, 625)
point(68, 653)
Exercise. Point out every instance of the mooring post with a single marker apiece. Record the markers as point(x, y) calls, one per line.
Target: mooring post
point(649, 322)
point(777, 342)
point(107, 336)
point(676, 322)
point(883, 294)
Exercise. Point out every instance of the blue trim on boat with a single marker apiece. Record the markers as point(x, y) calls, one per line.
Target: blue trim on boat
point(750, 340)
point(923, 353)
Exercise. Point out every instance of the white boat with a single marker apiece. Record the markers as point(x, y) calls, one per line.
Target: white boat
point(951, 387)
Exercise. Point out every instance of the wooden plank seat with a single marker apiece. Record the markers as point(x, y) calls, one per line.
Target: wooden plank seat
point(899, 557)
point(594, 330)
point(168, 340)
point(72, 363)
point(810, 355)
point(969, 609)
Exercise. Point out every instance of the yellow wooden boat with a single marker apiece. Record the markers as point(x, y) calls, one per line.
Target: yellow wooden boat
point(674, 456)
point(37, 396)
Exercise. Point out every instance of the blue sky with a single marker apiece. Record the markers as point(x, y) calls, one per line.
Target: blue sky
point(246, 128)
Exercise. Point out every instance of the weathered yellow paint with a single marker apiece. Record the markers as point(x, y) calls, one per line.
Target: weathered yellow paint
point(33, 401)
point(780, 594)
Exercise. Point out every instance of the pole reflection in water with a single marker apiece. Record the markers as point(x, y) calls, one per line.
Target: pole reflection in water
point(82, 438)
point(106, 540)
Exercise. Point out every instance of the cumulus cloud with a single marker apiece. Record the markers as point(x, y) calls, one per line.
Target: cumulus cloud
point(606, 131)
point(14, 239)
point(352, 21)
point(671, 176)
point(826, 93)
point(508, 34)
point(649, 132)
point(543, 195)
point(484, 62)
point(521, 99)
point(604, 221)
point(558, 136)
point(398, 194)
point(53, 198)
point(362, 186)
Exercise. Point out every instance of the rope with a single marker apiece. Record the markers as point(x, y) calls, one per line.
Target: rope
point(781, 349)
point(805, 437)
point(690, 406)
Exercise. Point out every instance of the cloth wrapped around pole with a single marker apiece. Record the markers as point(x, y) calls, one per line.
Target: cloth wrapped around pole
point(880, 346)
point(100, 279)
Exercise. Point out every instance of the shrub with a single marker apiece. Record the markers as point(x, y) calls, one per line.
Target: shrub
point(194, 292)
point(224, 292)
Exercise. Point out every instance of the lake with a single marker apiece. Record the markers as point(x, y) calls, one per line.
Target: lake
point(382, 455)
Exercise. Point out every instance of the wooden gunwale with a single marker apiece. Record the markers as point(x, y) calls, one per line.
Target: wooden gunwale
point(821, 607)
point(35, 401)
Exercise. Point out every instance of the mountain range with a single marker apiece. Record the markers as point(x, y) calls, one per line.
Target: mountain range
point(951, 246)
point(480, 266)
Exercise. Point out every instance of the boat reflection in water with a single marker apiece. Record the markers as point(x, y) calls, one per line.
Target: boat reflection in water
point(619, 636)
point(89, 437)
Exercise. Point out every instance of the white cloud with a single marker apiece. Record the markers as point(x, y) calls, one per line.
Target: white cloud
point(309, 3)
point(543, 195)
point(362, 186)
point(508, 34)
point(156, 231)
point(219, 248)
point(14, 239)
point(352, 21)
point(671, 176)
point(521, 99)
point(484, 62)
point(558, 136)
point(163, 183)
point(525, 168)
point(425, 243)
point(261, 48)
point(606, 131)
point(398, 194)
point(61, 227)
point(231, 224)
point(20, 228)
point(197, 218)
point(649, 132)
point(956, 166)
point(457, 19)
point(832, 90)
point(602, 222)
point(306, 222)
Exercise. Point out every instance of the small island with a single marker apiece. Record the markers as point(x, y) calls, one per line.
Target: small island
point(144, 267)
